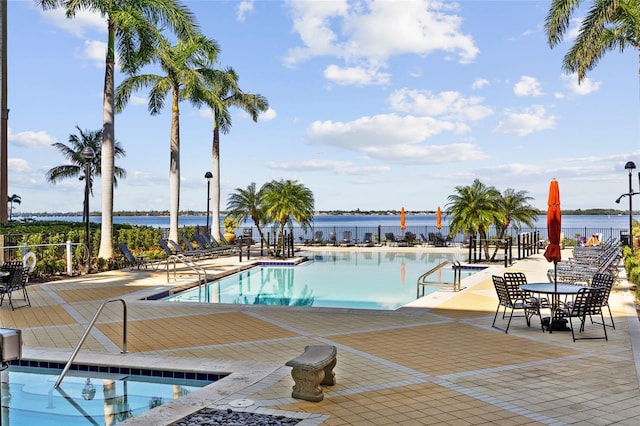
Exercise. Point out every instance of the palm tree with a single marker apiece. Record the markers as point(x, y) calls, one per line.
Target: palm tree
point(13, 199)
point(224, 93)
point(609, 25)
point(473, 209)
point(288, 200)
point(186, 66)
point(133, 26)
point(514, 207)
point(73, 153)
point(246, 203)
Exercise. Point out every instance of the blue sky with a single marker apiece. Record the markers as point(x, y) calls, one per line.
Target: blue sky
point(373, 105)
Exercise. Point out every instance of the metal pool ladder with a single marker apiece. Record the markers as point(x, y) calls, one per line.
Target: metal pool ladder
point(457, 277)
point(86, 334)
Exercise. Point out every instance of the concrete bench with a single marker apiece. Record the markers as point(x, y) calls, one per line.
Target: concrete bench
point(311, 370)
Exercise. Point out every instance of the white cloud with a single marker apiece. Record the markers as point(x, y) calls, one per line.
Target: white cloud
point(137, 100)
point(18, 166)
point(30, 139)
point(244, 7)
point(268, 115)
point(479, 83)
point(527, 86)
point(394, 138)
point(94, 51)
point(82, 22)
point(356, 76)
point(586, 87)
point(372, 32)
point(449, 105)
point(522, 123)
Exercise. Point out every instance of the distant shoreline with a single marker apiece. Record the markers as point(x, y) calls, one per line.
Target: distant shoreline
point(589, 212)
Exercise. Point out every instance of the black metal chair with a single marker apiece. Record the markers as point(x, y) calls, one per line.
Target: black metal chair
point(17, 282)
point(511, 296)
point(604, 281)
point(519, 279)
point(588, 302)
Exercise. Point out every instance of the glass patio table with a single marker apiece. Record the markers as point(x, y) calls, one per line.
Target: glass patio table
point(555, 290)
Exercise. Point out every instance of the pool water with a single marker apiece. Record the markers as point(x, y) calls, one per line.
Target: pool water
point(360, 280)
point(88, 398)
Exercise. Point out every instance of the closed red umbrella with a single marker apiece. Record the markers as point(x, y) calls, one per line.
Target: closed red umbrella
point(403, 224)
point(554, 225)
point(438, 219)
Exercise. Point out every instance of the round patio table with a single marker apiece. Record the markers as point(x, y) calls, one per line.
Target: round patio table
point(555, 290)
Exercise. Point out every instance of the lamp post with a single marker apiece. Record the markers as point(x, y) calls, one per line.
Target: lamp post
point(87, 154)
point(208, 177)
point(631, 166)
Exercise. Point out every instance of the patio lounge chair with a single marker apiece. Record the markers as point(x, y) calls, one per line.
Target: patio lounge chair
point(317, 238)
point(17, 282)
point(367, 240)
point(346, 239)
point(333, 239)
point(192, 254)
point(132, 261)
point(206, 251)
point(511, 296)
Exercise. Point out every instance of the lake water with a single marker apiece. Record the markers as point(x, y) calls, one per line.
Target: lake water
point(568, 221)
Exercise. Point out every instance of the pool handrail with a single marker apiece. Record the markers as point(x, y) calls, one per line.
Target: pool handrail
point(202, 278)
point(457, 277)
point(88, 330)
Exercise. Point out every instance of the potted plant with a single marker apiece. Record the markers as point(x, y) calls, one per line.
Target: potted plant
point(230, 224)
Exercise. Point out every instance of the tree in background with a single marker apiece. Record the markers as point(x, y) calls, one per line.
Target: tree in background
point(13, 199)
point(608, 25)
point(473, 209)
point(224, 92)
point(133, 27)
point(286, 201)
point(73, 153)
point(514, 207)
point(186, 68)
point(249, 202)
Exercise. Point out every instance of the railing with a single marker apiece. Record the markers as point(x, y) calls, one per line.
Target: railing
point(13, 251)
point(173, 259)
point(86, 334)
point(457, 277)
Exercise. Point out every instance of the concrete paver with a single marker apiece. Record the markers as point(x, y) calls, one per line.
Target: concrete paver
point(436, 362)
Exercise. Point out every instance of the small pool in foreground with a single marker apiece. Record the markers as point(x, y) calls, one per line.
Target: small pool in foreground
point(358, 279)
point(83, 398)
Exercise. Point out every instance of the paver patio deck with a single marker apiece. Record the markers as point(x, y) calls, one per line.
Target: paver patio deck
point(438, 361)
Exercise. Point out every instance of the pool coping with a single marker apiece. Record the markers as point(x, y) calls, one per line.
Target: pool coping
point(239, 376)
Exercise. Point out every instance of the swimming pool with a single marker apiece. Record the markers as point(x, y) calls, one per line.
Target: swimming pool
point(83, 398)
point(358, 279)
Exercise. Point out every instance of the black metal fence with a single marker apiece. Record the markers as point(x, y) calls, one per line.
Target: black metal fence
point(572, 236)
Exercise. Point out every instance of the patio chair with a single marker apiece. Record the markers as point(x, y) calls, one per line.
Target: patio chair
point(17, 283)
point(346, 239)
point(604, 281)
point(196, 254)
point(205, 251)
point(437, 240)
point(519, 279)
point(132, 261)
point(333, 239)
point(511, 296)
point(367, 240)
point(588, 302)
point(317, 238)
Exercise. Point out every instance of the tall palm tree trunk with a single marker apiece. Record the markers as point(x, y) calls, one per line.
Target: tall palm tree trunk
point(215, 171)
point(4, 114)
point(107, 150)
point(174, 168)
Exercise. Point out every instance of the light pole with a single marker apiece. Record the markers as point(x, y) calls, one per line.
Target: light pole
point(631, 166)
point(208, 177)
point(87, 154)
